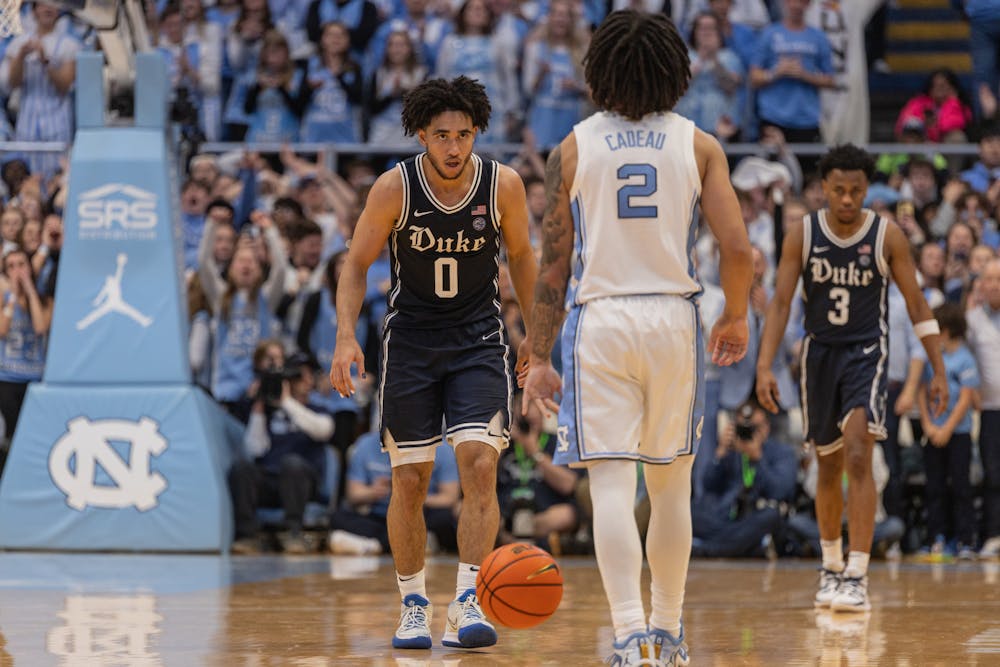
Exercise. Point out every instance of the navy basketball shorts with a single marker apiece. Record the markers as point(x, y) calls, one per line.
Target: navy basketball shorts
point(837, 379)
point(437, 383)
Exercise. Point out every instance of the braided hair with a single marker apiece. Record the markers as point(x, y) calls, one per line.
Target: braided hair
point(637, 64)
point(436, 96)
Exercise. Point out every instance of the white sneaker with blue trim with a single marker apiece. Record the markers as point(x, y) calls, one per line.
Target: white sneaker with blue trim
point(636, 650)
point(414, 629)
point(669, 650)
point(467, 627)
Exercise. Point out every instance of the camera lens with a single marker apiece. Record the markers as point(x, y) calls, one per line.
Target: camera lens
point(745, 431)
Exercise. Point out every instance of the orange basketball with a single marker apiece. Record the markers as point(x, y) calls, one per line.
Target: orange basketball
point(519, 585)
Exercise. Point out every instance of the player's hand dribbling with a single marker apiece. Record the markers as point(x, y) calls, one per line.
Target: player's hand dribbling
point(937, 393)
point(346, 353)
point(767, 390)
point(540, 386)
point(728, 342)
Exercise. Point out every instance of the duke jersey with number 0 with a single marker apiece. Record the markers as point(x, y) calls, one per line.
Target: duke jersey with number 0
point(445, 259)
point(633, 198)
point(844, 281)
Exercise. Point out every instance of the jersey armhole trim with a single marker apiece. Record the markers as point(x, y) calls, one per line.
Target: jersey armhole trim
point(880, 260)
point(806, 238)
point(574, 188)
point(693, 174)
point(495, 194)
point(405, 212)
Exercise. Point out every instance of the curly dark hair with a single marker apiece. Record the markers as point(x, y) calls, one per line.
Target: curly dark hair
point(847, 157)
point(436, 96)
point(637, 64)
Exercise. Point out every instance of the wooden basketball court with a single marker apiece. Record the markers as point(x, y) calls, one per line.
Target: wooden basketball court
point(147, 610)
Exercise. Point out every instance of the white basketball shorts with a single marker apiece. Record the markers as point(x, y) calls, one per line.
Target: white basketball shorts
point(633, 387)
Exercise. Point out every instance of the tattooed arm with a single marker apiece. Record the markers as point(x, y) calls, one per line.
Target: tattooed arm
point(542, 381)
point(557, 250)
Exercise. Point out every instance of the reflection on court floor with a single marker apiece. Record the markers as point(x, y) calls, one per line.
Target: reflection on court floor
point(72, 610)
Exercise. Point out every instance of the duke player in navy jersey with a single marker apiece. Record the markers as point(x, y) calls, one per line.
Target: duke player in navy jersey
point(444, 349)
point(845, 256)
point(618, 230)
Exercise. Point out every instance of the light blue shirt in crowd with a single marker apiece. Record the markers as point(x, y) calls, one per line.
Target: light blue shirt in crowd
point(961, 370)
point(903, 343)
point(705, 101)
point(983, 337)
point(790, 102)
point(369, 462)
point(982, 10)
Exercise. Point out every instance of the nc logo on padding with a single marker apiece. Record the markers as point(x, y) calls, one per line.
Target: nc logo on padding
point(88, 443)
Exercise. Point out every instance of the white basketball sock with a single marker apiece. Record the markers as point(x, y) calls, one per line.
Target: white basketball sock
point(411, 584)
point(833, 554)
point(616, 543)
point(857, 564)
point(668, 540)
point(466, 578)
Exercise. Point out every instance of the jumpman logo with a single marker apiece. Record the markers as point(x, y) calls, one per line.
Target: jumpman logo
point(109, 300)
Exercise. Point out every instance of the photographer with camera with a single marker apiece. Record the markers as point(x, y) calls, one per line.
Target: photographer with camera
point(284, 442)
point(747, 487)
point(537, 497)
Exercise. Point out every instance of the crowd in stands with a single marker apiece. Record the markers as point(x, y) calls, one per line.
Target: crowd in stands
point(265, 235)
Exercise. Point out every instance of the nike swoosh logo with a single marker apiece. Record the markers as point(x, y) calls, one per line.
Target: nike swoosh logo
point(420, 214)
point(870, 348)
point(491, 334)
point(541, 571)
point(474, 568)
point(407, 578)
point(819, 249)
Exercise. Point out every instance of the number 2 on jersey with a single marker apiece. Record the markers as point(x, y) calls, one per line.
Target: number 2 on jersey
point(841, 303)
point(446, 277)
point(626, 207)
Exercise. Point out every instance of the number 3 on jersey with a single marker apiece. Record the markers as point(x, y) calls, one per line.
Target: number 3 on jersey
point(446, 277)
point(627, 208)
point(841, 304)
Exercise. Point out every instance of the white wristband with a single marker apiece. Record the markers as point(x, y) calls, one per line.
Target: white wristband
point(926, 328)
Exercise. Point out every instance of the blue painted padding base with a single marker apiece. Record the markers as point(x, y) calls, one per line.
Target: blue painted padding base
point(118, 469)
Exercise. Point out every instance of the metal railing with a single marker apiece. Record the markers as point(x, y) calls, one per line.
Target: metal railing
point(333, 151)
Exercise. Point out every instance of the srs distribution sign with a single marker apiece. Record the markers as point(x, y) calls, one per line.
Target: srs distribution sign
point(117, 211)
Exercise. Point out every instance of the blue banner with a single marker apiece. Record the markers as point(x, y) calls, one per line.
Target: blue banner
point(120, 316)
point(134, 469)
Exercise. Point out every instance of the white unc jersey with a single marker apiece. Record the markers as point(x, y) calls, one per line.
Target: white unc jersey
point(633, 201)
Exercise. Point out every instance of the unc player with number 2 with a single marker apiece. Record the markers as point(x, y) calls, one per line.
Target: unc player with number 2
point(845, 256)
point(619, 225)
